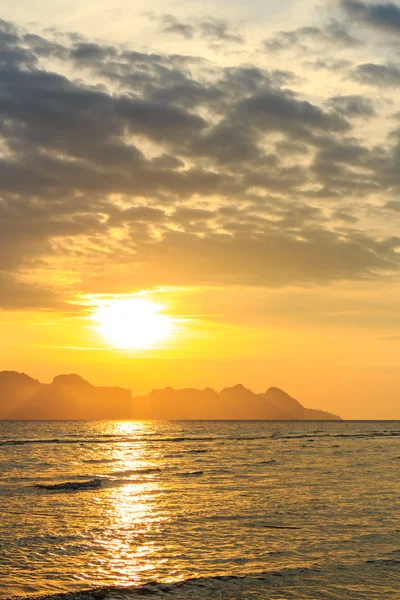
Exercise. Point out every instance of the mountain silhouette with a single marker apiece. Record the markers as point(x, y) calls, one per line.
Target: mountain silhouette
point(67, 397)
point(72, 397)
point(235, 402)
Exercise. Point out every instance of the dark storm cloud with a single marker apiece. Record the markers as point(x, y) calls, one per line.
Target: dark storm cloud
point(175, 172)
point(383, 15)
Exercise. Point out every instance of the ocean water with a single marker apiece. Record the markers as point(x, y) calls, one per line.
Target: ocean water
point(200, 510)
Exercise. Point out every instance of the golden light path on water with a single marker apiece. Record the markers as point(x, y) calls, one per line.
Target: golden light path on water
point(131, 515)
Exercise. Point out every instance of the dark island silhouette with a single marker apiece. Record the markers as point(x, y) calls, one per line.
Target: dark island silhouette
point(71, 397)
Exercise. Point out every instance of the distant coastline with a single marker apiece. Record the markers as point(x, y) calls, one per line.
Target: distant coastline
point(71, 397)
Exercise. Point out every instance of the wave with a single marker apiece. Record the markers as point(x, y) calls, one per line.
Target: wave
point(273, 437)
point(23, 442)
point(98, 461)
point(191, 474)
point(184, 452)
point(190, 439)
point(70, 486)
point(383, 561)
point(104, 440)
point(145, 471)
point(193, 587)
point(367, 435)
point(289, 582)
point(220, 470)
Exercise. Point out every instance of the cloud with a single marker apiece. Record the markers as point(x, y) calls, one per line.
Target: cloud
point(170, 24)
point(383, 16)
point(218, 30)
point(352, 106)
point(393, 205)
point(377, 75)
point(210, 28)
point(17, 294)
point(329, 64)
point(142, 169)
point(266, 256)
point(342, 215)
point(311, 37)
point(278, 111)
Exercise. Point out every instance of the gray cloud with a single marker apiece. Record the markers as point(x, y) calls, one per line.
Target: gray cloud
point(170, 24)
point(16, 294)
point(169, 171)
point(383, 15)
point(341, 215)
point(219, 30)
point(311, 37)
point(267, 256)
point(278, 111)
point(393, 205)
point(352, 106)
point(377, 75)
point(216, 30)
point(329, 64)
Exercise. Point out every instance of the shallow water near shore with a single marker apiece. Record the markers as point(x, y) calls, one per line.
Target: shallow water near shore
point(200, 510)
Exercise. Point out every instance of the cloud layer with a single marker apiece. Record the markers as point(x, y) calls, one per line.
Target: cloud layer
point(133, 169)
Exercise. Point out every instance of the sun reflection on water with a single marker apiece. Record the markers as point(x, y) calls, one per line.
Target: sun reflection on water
point(130, 428)
point(133, 516)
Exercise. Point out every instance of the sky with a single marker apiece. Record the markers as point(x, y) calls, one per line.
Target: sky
point(235, 165)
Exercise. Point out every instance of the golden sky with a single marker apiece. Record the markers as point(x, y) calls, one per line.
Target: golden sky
point(201, 194)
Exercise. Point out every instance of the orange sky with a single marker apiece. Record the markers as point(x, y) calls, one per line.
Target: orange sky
point(238, 172)
point(317, 355)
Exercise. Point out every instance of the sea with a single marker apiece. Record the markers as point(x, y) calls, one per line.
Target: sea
point(200, 510)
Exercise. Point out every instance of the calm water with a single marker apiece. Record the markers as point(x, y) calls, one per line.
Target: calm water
point(227, 510)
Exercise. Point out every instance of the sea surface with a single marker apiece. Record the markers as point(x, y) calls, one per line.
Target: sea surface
point(200, 510)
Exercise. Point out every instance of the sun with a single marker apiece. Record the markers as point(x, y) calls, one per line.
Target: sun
point(133, 323)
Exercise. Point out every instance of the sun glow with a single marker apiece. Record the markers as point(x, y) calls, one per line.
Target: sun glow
point(133, 323)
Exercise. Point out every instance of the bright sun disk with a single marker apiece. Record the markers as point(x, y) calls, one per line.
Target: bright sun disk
point(133, 323)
